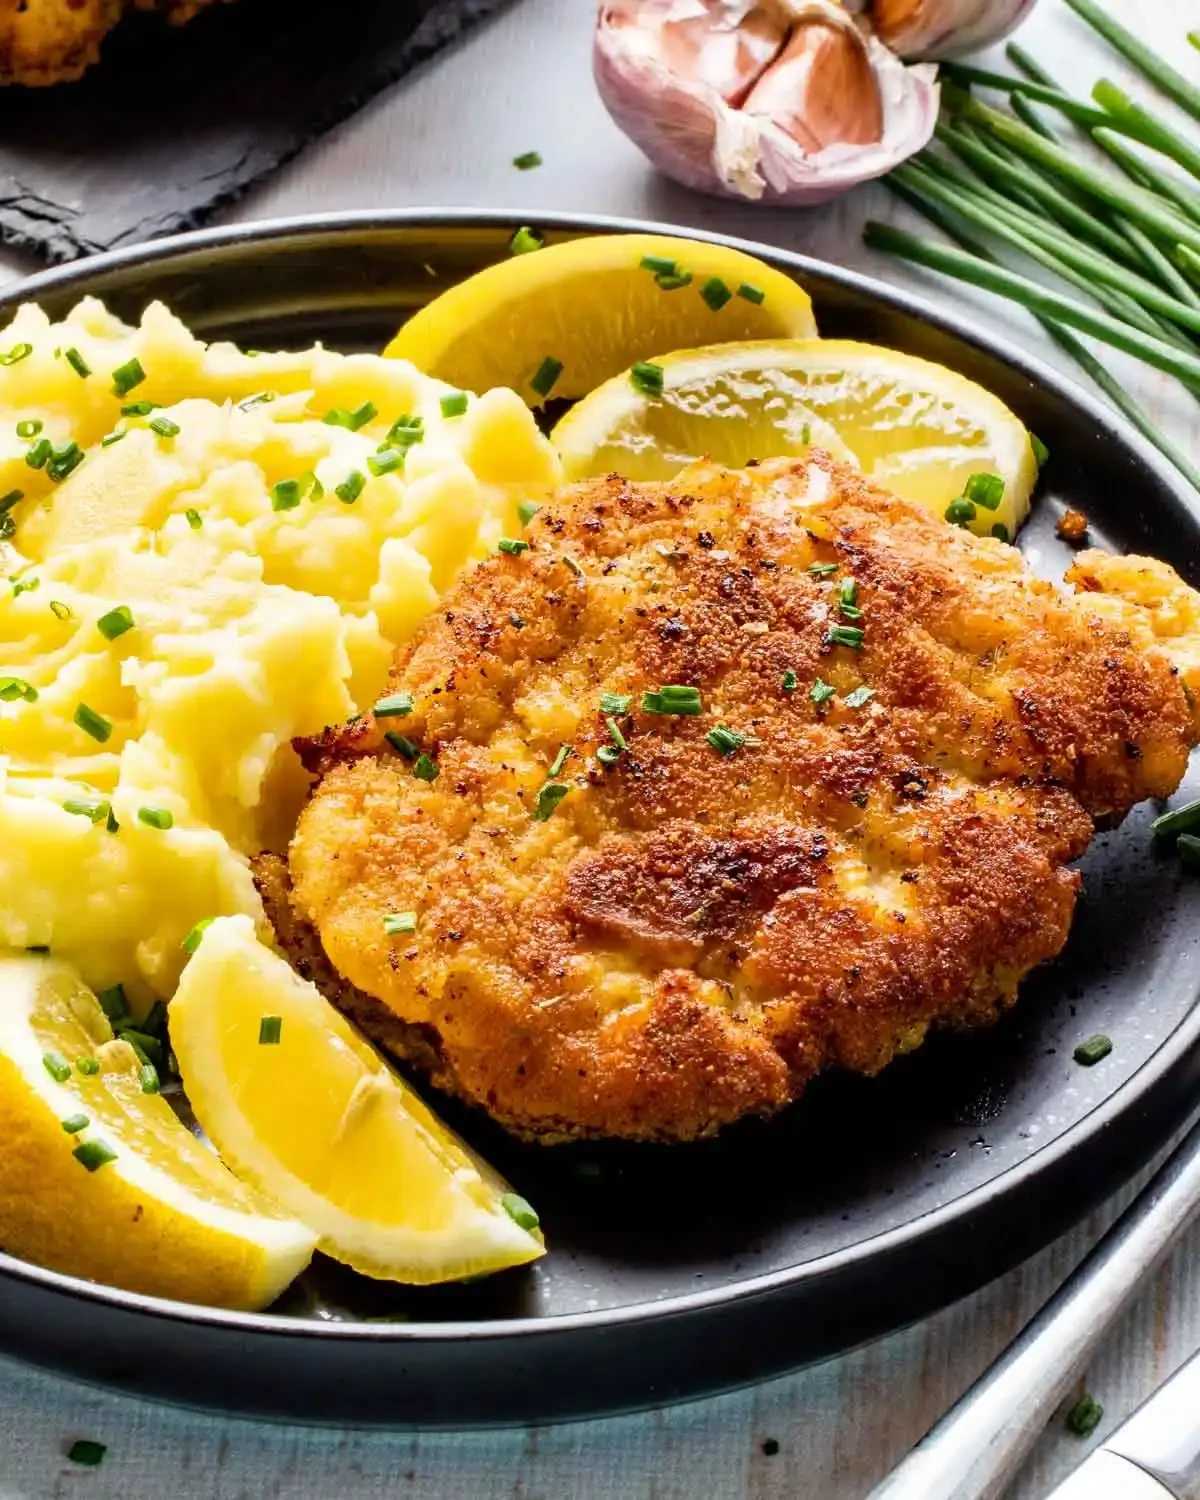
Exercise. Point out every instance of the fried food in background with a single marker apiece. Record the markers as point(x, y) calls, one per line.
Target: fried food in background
point(918, 737)
point(56, 41)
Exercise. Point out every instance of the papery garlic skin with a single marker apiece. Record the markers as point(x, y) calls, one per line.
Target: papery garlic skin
point(671, 80)
point(943, 28)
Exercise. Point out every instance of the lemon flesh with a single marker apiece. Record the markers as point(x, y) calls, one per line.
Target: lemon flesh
point(591, 305)
point(163, 1216)
point(322, 1124)
point(914, 427)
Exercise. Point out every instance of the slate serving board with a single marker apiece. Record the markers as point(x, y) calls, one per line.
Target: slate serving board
point(174, 121)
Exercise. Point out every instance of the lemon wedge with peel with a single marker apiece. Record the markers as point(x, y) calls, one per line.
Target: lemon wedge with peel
point(914, 427)
point(560, 320)
point(299, 1104)
point(100, 1179)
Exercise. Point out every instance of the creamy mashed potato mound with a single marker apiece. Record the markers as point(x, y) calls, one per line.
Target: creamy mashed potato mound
point(268, 570)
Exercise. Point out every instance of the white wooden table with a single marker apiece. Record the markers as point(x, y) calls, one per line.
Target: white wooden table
point(447, 137)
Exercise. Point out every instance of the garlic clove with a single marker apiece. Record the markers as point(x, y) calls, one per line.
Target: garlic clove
point(821, 89)
point(944, 28)
point(829, 106)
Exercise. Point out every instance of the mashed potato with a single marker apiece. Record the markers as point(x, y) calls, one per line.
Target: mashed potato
point(201, 577)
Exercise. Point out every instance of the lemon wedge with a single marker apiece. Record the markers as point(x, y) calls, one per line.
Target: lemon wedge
point(100, 1179)
point(595, 306)
point(299, 1104)
point(914, 427)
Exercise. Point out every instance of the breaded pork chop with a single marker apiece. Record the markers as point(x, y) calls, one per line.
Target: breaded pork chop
point(923, 736)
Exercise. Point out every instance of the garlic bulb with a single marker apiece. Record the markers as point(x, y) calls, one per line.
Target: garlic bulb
point(944, 28)
point(788, 101)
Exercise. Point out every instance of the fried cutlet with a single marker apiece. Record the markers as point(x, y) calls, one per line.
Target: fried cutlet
point(55, 41)
point(903, 740)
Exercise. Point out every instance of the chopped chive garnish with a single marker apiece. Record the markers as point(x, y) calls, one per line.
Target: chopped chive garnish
point(148, 1078)
point(789, 682)
point(164, 427)
point(341, 417)
point(262, 398)
point(351, 487)
point(29, 428)
point(569, 563)
point(1084, 1417)
point(78, 363)
point(126, 376)
point(57, 1066)
point(527, 161)
point(24, 586)
point(823, 570)
point(14, 688)
point(848, 599)
point(96, 811)
point(110, 823)
point(454, 404)
point(192, 941)
point(647, 378)
point(16, 354)
point(548, 798)
point(110, 438)
point(386, 461)
point(138, 408)
point(394, 706)
point(194, 519)
point(285, 495)
point(73, 1124)
point(547, 375)
point(608, 755)
point(1090, 1052)
point(405, 431)
point(526, 510)
point(425, 768)
point(402, 745)
point(113, 1003)
point(673, 282)
point(116, 622)
point(615, 703)
point(660, 265)
point(559, 761)
point(396, 923)
point(9, 500)
point(64, 460)
point(38, 455)
point(519, 1210)
point(614, 732)
point(1180, 820)
point(715, 293)
point(511, 547)
point(84, 1450)
point(269, 1030)
point(985, 489)
point(146, 1048)
point(960, 512)
point(93, 1155)
point(672, 699)
point(845, 635)
point(156, 817)
point(1000, 532)
point(87, 1067)
point(1187, 846)
point(93, 723)
point(725, 740)
point(60, 611)
point(752, 293)
point(859, 696)
point(821, 692)
point(1040, 452)
point(525, 240)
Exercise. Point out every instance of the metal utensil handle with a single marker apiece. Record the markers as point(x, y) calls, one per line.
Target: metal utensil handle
point(974, 1450)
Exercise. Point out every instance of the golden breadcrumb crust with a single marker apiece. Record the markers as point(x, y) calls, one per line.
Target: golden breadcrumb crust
point(690, 936)
point(56, 41)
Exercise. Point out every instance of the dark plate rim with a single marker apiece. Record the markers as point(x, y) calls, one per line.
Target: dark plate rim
point(1105, 1116)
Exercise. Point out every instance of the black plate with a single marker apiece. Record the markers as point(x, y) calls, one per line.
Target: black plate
point(677, 1272)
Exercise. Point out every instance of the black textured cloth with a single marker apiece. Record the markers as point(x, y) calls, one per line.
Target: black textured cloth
point(174, 121)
